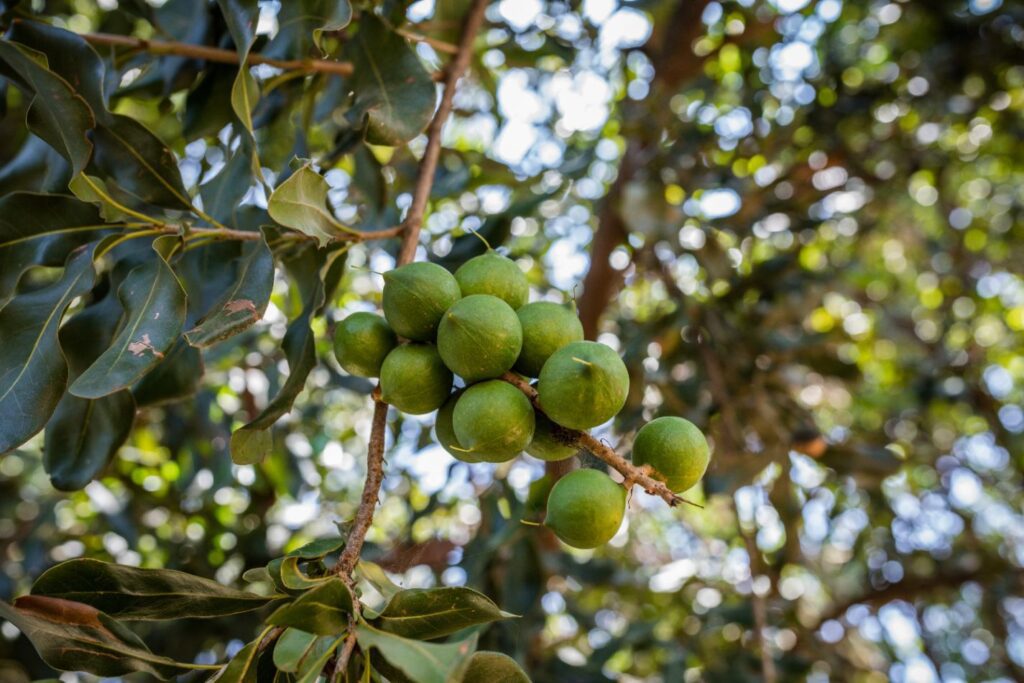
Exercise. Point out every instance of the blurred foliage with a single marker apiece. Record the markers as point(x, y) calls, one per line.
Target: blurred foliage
point(811, 215)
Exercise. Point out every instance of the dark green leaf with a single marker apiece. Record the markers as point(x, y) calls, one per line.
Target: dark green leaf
point(33, 372)
point(252, 442)
point(315, 550)
point(71, 58)
point(176, 376)
point(324, 610)
point(242, 667)
point(70, 636)
point(140, 163)
point(393, 92)
point(57, 114)
point(223, 194)
point(154, 304)
point(314, 663)
point(422, 662)
point(493, 667)
point(427, 613)
point(300, 23)
point(185, 21)
point(143, 594)
point(36, 167)
point(41, 229)
point(300, 203)
point(83, 434)
point(244, 303)
point(241, 17)
point(291, 648)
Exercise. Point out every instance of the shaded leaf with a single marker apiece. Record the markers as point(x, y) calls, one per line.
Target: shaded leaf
point(83, 434)
point(33, 371)
point(36, 167)
point(291, 648)
point(223, 193)
point(57, 114)
point(70, 636)
point(143, 594)
point(427, 613)
point(393, 92)
point(154, 304)
point(324, 610)
point(312, 666)
point(300, 203)
point(301, 23)
point(242, 667)
point(422, 662)
point(244, 303)
point(140, 163)
point(71, 58)
point(176, 376)
point(41, 229)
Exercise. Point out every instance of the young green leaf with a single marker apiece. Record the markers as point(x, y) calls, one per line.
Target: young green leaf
point(422, 662)
point(33, 372)
point(300, 203)
point(144, 594)
point(154, 304)
point(427, 613)
point(70, 636)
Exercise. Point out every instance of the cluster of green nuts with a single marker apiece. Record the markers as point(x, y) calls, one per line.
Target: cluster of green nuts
point(477, 324)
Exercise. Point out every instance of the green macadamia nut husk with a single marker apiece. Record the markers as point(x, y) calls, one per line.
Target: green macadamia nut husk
point(582, 385)
point(547, 327)
point(414, 379)
point(415, 297)
point(444, 431)
point(361, 343)
point(494, 274)
point(676, 448)
point(546, 444)
point(493, 420)
point(479, 337)
point(586, 508)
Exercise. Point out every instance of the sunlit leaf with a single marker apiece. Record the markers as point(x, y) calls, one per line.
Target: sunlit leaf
point(324, 610)
point(422, 662)
point(300, 203)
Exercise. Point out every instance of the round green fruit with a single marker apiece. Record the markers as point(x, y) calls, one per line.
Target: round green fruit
point(546, 444)
point(479, 337)
point(414, 379)
point(583, 384)
point(494, 274)
point(444, 431)
point(547, 327)
point(675, 448)
point(494, 421)
point(585, 508)
point(416, 295)
point(493, 667)
point(361, 343)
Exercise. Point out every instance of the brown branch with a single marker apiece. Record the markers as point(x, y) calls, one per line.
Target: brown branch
point(760, 608)
point(410, 229)
point(428, 165)
point(645, 477)
point(222, 56)
point(371, 490)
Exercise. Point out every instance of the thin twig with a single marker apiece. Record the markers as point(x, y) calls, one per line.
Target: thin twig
point(645, 477)
point(222, 56)
point(410, 229)
point(428, 165)
point(439, 45)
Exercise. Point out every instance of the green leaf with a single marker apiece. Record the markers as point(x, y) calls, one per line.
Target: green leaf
point(154, 303)
point(41, 230)
point(253, 441)
point(70, 636)
point(144, 594)
point(301, 23)
point(393, 92)
point(175, 377)
point(427, 613)
point(242, 667)
point(493, 667)
point(300, 203)
point(33, 372)
point(241, 17)
point(140, 163)
point(94, 191)
point(376, 577)
point(244, 303)
point(422, 662)
point(323, 610)
point(314, 550)
point(37, 167)
point(57, 114)
point(223, 194)
point(71, 58)
point(83, 434)
point(291, 648)
point(312, 666)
